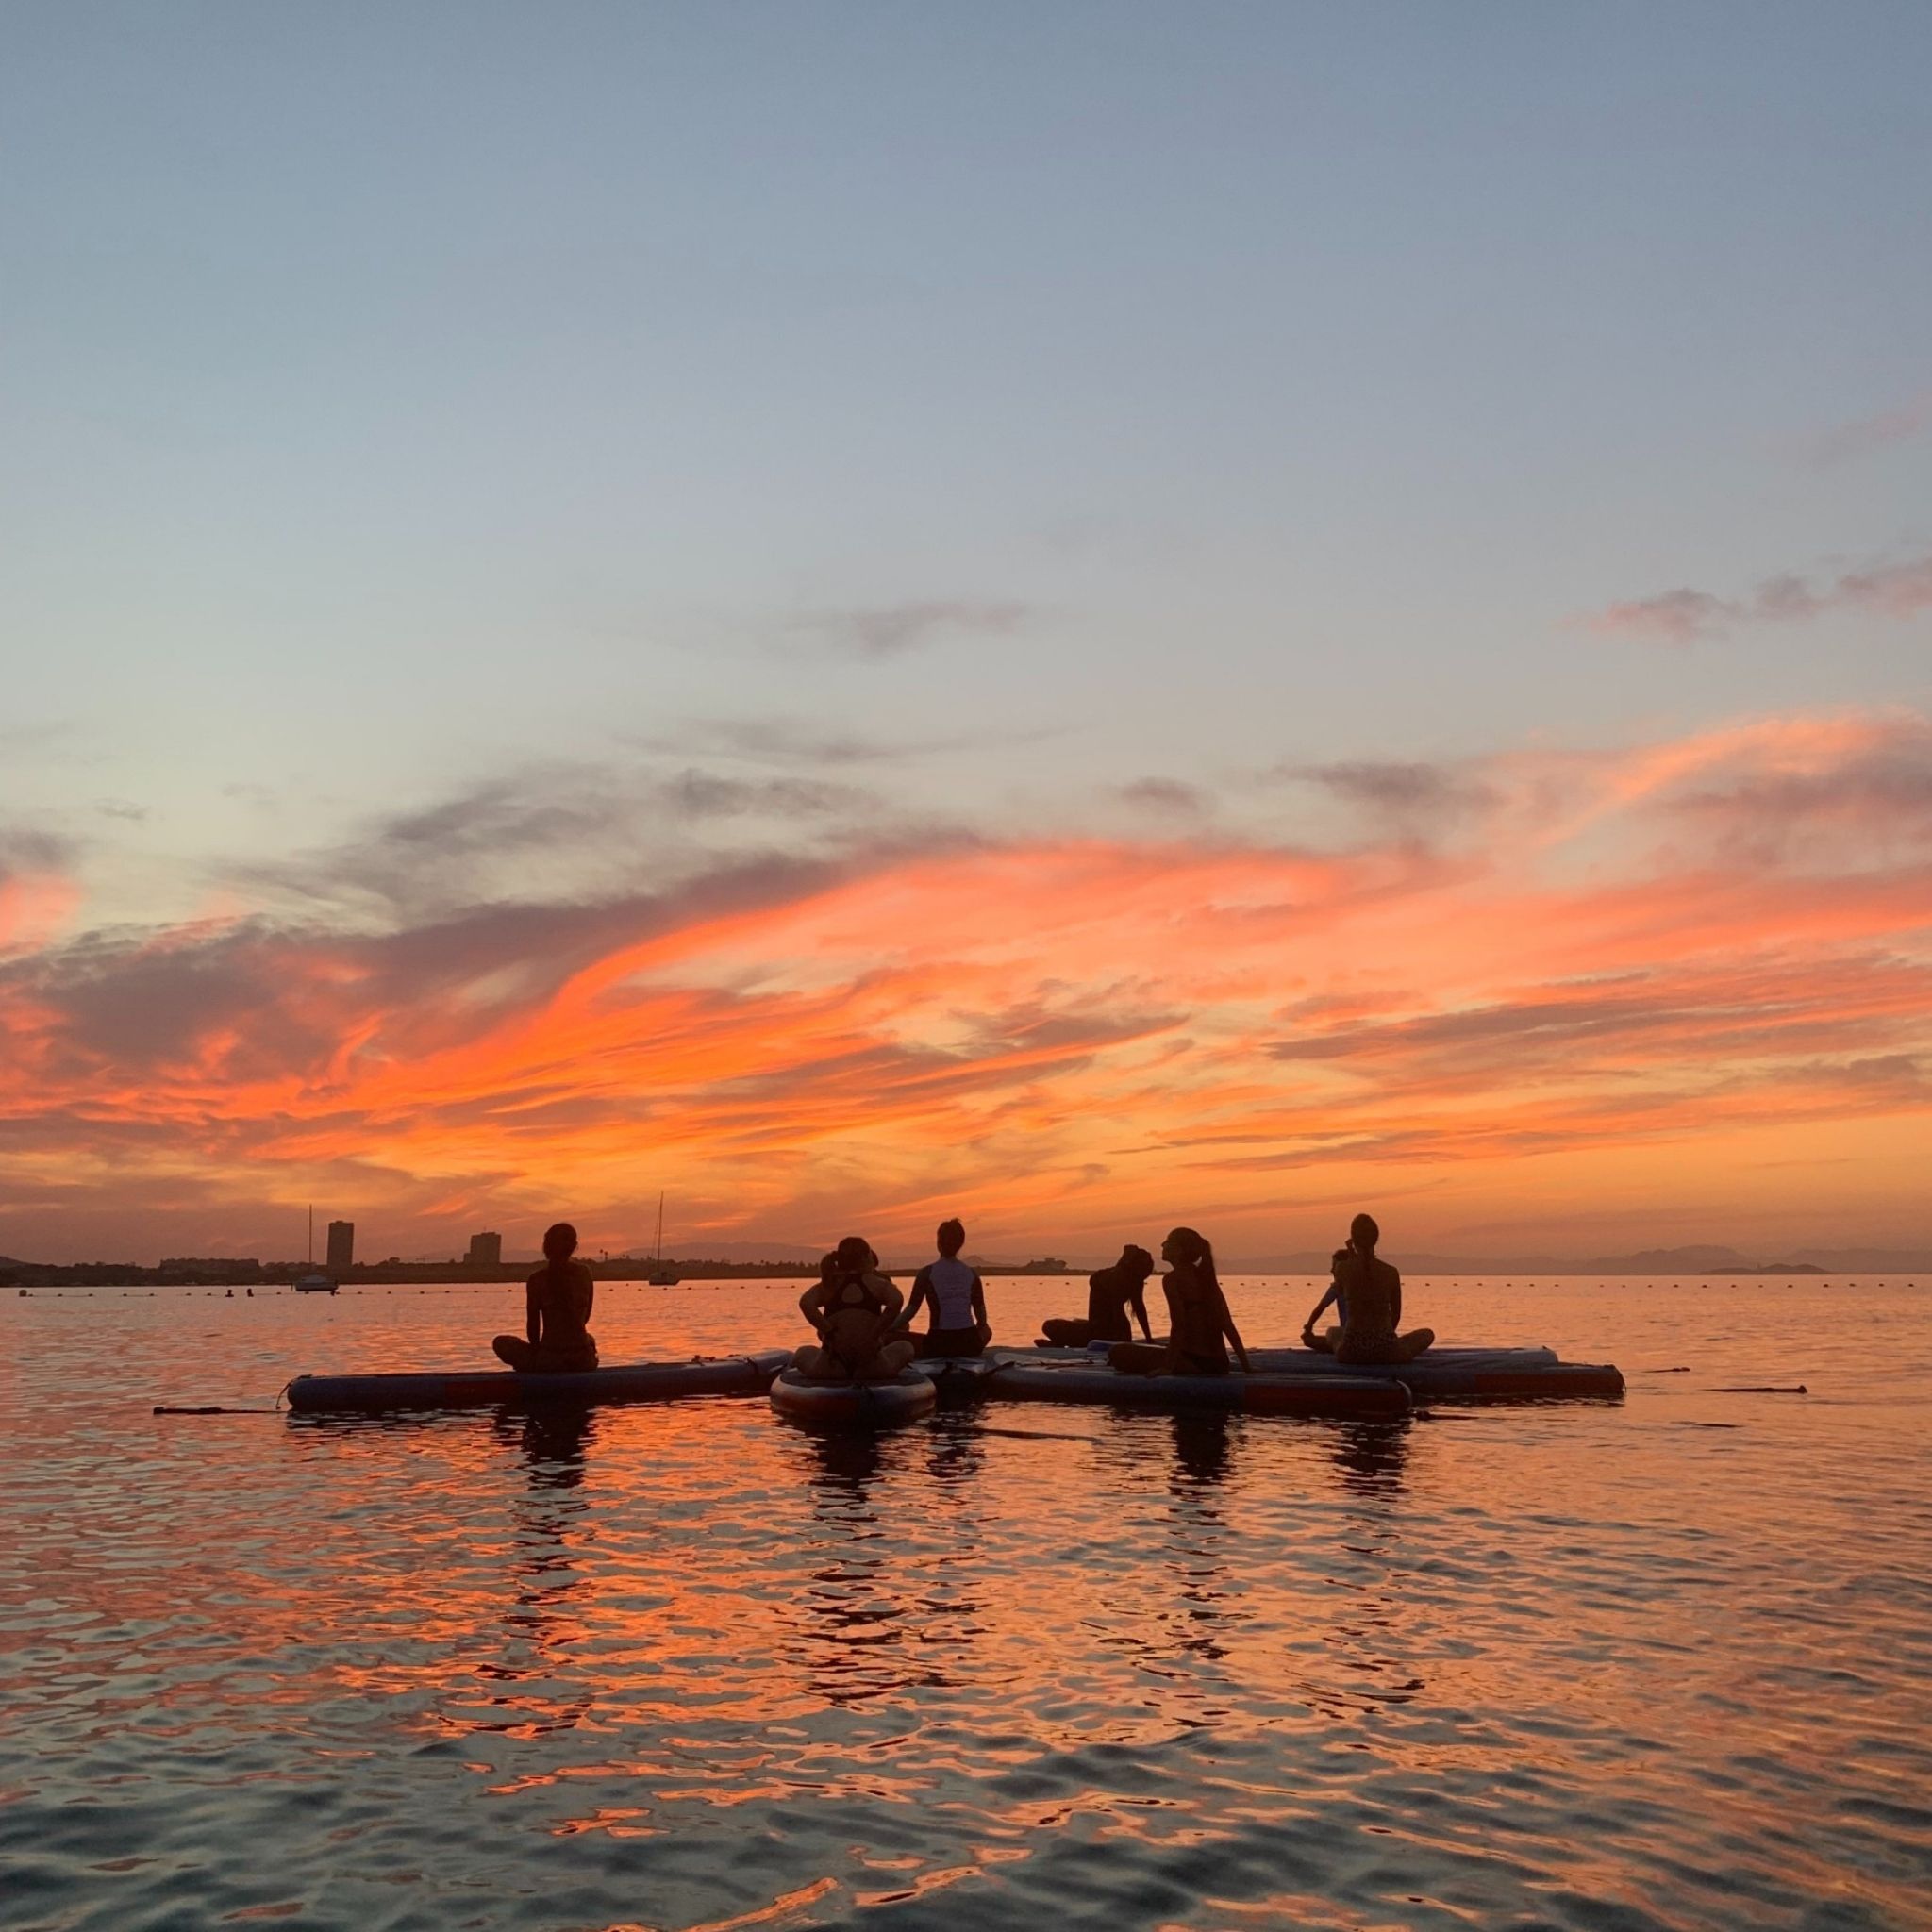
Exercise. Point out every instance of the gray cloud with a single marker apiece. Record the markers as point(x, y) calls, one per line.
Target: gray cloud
point(1685, 616)
point(1845, 441)
point(1868, 804)
point(26, 849)
point(890, 630)
point(566, 833)
point(1171, 796)
point(1412, 800)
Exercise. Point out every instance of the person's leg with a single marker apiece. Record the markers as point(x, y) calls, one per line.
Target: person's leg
point(1066, 1333)
point(1137, 1358)
point(1328, 1342)
point(1414, 1342)
point(815, 1364)
point(515, 1350)
point(892, 1358)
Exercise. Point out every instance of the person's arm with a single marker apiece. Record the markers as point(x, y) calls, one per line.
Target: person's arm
point(1333, 1295)
point(1234, 1336)
point(533, 1312)
point(979, 1302)
point(811, 1306)
point(1395, 1300)
point(1137, 1295)
point(888, 1314)
point(922, 1293)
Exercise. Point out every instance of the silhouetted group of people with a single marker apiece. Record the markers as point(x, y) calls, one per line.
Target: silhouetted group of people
point(864, 1322)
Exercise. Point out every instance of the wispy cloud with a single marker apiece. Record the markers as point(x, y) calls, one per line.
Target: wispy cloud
point(1684, 616)
point(1171, 797)
point(890, 630)
point(1845, 441)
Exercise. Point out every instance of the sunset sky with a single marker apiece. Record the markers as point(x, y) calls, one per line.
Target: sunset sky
point(1091, 617)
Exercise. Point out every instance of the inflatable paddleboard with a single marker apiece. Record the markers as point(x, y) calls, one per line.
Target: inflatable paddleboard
point(854, 1405)
point(1452, 1374)
point(737, 1374)
point(1438, 1374)
point(1079, 1380)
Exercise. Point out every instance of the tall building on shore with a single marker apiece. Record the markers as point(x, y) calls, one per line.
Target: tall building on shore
point(342, 1245)
point(486, 1251)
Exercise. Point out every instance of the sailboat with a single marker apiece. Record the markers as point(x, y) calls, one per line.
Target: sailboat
point(312, 1280)
point(660, 1276)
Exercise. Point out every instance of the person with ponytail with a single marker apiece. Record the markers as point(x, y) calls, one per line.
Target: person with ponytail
point(855, 1309)
point(556, 1313)
point(1371, 1309)
point(1197, 1317)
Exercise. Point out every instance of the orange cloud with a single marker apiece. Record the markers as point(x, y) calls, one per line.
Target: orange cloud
point(1686, 948)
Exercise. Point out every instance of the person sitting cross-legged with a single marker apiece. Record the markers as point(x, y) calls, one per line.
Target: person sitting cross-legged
point(853, 1308)
point(557, 1310)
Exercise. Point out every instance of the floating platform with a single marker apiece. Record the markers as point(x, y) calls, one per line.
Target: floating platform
point(1440, 1374)
point(854, 1405)
point(1463, 1374)
point(737, 1374)
point(1077, 1376)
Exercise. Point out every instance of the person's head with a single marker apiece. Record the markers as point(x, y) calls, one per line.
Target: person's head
point(950, 1237)
point(854, 1255)
point(1137, 1261)
point(1184, 1248)
point(560, 1242)
point(1363, 1234)
point(828, 1264)
point(1338, 1261)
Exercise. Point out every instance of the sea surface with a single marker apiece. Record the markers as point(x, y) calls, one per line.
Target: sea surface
point(1655, 1663)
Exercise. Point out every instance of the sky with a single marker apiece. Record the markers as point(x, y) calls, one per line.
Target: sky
point(1094, 617)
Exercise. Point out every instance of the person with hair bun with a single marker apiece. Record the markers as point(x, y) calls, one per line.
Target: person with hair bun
point(557, 1311)
point(853, 1308)
point(1198, 1317)
point(1371, 1307)
point(953, 1291)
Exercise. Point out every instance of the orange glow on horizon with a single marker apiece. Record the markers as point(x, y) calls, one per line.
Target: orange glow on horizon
point(1072, 1033)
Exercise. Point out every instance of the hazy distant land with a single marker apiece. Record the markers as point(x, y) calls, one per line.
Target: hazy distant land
point(765, 1260)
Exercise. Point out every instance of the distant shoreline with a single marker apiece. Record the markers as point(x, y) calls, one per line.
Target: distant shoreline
point(22, 1274)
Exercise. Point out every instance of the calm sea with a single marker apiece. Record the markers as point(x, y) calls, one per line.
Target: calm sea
point(1648, 1664)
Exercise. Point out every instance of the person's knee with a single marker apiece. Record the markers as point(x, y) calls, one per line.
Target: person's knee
point(895, 1355)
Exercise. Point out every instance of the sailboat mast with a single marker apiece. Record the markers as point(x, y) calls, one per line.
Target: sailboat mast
point(657, 1251)
point(311, 1234)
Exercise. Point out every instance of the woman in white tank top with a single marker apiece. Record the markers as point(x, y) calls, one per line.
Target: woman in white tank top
point(957, 1297)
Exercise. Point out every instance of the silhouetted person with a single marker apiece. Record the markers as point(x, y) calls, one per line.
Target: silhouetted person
point(1369, 1334)
point(855, 1309)
point(957, 1297)
point(1110, 1293)
point(557, 1310)
point(1197, 1316)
